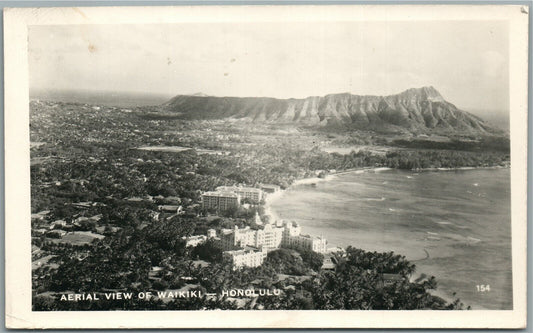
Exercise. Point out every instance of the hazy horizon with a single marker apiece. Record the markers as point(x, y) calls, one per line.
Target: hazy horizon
point(498, 118)
point(37, 91)
point(466, 61)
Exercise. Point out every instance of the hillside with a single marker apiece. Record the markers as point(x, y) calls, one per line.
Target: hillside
point(416, 110)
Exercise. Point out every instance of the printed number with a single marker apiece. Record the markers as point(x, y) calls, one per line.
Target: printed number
point(483, 288)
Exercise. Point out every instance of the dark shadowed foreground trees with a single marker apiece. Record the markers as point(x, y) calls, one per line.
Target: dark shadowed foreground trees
point(359, 283)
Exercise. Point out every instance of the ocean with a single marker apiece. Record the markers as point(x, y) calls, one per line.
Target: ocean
point(454, 225)
point(95, 97)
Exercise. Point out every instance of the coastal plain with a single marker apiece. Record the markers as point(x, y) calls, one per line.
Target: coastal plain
point(130, 179)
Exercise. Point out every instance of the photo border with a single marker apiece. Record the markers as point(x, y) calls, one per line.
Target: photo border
point(17, 185)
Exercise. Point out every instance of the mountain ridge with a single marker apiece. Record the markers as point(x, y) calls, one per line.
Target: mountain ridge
point(419, 110)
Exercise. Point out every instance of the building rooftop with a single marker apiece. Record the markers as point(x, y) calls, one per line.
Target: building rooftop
point(220, 194)
point(246, 250)
point(194, 237)
point(238, 188)
point(226, 231)
point(168, 207)
point(392, 276)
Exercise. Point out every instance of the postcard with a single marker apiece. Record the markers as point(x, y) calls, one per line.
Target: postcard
point(283, 166)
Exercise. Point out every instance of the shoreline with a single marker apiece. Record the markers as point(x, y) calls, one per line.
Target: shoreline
point(463, 168)
point(313, 180)
point(329, 176)
point(442, 293)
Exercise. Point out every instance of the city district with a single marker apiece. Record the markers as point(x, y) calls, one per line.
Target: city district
point(249, 246)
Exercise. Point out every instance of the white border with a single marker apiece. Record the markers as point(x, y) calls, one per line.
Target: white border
point(17, 175)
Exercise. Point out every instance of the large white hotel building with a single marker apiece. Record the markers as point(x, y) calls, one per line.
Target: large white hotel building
point(226, 197)
point(269, 237)
point(251, 193)
point(220, 200)
point(247, 246)
point(249, 257)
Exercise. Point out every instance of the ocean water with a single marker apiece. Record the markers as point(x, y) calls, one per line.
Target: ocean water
point(95, 97)
point(454, 225)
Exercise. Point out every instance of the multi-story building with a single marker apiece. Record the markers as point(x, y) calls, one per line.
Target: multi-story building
point(230, 239)
point(306, 242)
point(247, 257)
point(244, 237)
point(319, 244)
point(269, 237)
point(252, 193)
point(290, 229)
point(220, 200)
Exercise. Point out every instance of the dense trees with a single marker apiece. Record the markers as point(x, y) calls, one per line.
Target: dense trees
point(487, 143)
point(208, 251)
point(286, 261)
point(105, 163)
point(121, 263)
point(89, 165)
point(313, 259)
point(358, 283)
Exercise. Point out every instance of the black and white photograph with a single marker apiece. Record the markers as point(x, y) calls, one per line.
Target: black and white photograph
point(294, 163)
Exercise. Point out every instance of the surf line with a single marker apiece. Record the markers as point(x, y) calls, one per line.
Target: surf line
point(426, 258)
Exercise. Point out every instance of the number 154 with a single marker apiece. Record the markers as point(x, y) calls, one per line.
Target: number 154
point(483, 288)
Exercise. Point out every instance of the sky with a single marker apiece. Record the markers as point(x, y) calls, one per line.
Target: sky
point(466, 61)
